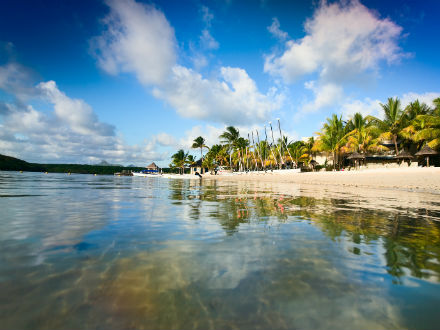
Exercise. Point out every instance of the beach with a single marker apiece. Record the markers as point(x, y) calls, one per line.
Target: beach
point(408, 179)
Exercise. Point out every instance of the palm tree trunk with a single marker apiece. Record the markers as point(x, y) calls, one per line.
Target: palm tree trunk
point(334, 160)
point(395, 143)
point(201, 157)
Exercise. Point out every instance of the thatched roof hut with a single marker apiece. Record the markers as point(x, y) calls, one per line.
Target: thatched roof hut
point(152, 166)
point(403, 154)
point(356, 155)
point(426, 151)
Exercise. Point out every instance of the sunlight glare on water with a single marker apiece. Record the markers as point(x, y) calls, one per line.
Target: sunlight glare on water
point(96, 252)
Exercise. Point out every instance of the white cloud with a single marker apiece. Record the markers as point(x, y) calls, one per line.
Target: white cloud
point(233, 99)
point(131, 35)
point(343, 40)
point(423, 98)
point(275, 30)
point(71, 133)
point(42, 137)
point(165, 139)
point(199, 60)
point(372, 107)
point(138, 39)
point(325, 95)
point(207, 16)
point(74, 112)
point(207, 41)
point(367, 107)
point(209, 133)
point(17, 79)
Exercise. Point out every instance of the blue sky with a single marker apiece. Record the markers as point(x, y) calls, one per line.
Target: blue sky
point(131, 82)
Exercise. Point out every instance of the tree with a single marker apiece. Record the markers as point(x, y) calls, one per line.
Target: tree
point(436, 110)
point(415, 109)
point(230, 137)
point(298, 150)
point(179, 159)
point(309, 146)
point(393, 122)
point(209, 161)
point(190, 160)
point(331, 137)
point(362, 136)
point(423, 124)
point(427, 128)
point(199, 143)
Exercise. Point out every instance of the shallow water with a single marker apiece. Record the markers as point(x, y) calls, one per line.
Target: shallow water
point(86, 252)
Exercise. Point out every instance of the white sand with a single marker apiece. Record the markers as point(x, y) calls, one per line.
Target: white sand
point(410, 179)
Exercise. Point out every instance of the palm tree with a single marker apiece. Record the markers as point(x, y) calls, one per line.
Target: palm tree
point(331, 137)
point(436, 110)
point(309, 145)
point(416, 108)
point(199, 143)
point(222, 156)
point(230, 137)
point(190, 160)
point(179, 159)
point(298, 150)
point(362, 136)
point(393, 122)
point(209, 161)
point(417, 119)
point(427, 128)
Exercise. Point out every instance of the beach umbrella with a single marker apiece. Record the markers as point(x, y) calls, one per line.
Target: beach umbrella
point(426, 151)
point(403, 154)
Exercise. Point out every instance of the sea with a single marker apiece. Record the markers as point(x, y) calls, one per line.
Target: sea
point(106, 252)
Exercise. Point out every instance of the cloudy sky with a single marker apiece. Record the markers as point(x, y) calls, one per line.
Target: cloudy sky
point(130, 82)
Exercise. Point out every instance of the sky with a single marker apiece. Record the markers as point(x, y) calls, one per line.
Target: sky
point(131, 82)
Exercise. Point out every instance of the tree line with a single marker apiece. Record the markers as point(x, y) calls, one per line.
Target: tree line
point(409, 129)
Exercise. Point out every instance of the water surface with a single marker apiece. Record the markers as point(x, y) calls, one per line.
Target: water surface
point(103, 252)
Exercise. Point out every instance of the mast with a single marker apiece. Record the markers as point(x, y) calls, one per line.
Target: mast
point(255, 150)
point(282, 140)
point(247, 158)
point(253, 154)
point(259, 147)
point(273, 142)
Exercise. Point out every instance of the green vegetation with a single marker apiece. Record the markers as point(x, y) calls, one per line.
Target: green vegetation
point(13, 164)
point(8, 163)
point(410, 129)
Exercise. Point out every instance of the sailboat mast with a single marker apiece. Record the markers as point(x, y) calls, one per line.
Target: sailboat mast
point(259, 147)
point(273, 143)
point(282, 141)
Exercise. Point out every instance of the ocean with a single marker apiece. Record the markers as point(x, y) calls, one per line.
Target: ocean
point(104, 252)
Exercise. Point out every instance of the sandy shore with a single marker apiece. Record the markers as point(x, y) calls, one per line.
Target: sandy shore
point(410, 179)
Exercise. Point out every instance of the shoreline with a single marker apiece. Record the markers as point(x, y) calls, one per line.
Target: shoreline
point(408, 179)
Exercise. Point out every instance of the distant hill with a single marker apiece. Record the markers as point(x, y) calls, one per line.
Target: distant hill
point(105, 163)
point(8, 163)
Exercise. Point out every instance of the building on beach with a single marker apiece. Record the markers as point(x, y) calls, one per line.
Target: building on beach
point(197, 167)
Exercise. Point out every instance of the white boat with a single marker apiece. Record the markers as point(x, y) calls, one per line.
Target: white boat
point(152, 173)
